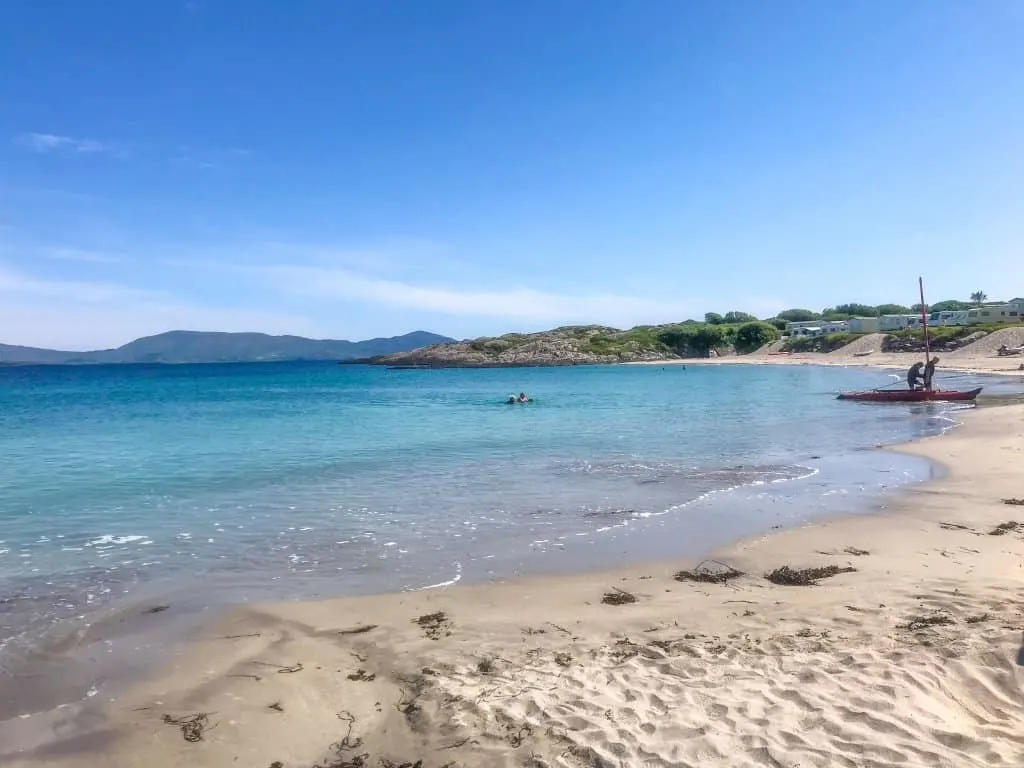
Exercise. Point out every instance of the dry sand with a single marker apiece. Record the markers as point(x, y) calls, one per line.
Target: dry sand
point(914, 659)
point(979, 357)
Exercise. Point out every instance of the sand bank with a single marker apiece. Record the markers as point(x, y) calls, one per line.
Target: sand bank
point(914, 658)
point(949, 361)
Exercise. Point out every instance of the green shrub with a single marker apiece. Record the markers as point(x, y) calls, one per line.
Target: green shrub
point(827, 343)
point(940, 333)
point(753, 336)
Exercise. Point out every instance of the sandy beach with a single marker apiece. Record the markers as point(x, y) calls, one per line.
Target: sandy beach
point(979, 357)
point(910, 655)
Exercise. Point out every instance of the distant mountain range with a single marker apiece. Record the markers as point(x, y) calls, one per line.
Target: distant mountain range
point(215, 347)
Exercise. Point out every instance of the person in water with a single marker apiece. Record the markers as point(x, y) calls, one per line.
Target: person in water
point(511, 400)
point(914, 376)
point(929, 373)
point(523, 398)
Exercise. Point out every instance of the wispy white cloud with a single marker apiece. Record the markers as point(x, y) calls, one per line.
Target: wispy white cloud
point(80, 315)
point(207, 158)
point(203, 158)
point(17, 283)
point(81, 254)
point(51, 142)
point(519, 303)
point(378, 278)
point(84, 327)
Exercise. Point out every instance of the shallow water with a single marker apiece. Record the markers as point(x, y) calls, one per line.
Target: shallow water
point(245, 482)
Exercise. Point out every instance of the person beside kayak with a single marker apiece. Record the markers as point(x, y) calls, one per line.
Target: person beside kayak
point(914, 376)
point(929, 373)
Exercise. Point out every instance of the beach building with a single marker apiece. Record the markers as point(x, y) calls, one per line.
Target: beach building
point(995, 313)
point(949, 317)
point(817, 327)
point(898, 322)
point(863, 324)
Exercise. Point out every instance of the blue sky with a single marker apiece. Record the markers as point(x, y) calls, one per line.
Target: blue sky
point(353, 169)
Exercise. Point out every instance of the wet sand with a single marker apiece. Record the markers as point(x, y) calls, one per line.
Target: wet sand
point(961, 361)
point(913, 657)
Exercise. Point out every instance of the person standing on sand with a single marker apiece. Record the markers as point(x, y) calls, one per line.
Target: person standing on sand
point(929, 372)
point(914, 375)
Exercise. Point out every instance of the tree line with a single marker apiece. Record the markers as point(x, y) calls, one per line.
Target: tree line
point(846, 311)
point(695, 339)
point(746, 333)
point(840, 312)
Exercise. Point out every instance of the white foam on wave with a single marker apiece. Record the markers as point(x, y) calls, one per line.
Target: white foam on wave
point(108, 539)
point(811, 472)
point(451, 582)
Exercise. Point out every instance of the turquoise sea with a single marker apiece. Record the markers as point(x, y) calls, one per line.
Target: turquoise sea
point(243, 482)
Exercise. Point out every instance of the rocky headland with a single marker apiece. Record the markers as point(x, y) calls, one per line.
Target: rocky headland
point(752, 342)
point(575, 345)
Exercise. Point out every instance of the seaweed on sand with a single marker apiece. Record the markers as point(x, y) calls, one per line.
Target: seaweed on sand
point(360, 630)
point(618, 597)
point(710, 572)
point(409, 702)
point(1014, 502)
point(434, 625)
point(915, 623)
point(1004, 528)
point(805, 577)
point(192, 726)
point(856, 551)
point(623, 650)
point(487, 665)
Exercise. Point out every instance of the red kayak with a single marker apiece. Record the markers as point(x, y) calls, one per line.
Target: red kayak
point(915, 395)
point(910, 395)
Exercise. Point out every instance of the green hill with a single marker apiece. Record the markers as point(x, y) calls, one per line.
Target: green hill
point(590, 345)
point(217, 347)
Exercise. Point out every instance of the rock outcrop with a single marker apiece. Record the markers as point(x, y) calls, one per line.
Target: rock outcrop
point(574, 345)
point(897, 344)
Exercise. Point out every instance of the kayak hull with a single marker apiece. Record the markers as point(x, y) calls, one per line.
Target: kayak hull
point(911, 396)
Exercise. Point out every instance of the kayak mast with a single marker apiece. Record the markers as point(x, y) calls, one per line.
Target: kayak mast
point(924, 323)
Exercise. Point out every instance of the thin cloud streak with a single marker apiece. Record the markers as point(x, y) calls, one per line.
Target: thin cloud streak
point(50, 142)
point(79, 254)
point(103, 326)
point(514, 304)
point(81, 315)
point(18, 284)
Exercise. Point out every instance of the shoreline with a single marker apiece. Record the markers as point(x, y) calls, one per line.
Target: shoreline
point(982, 366)
point(540, 666)
point(131, 622)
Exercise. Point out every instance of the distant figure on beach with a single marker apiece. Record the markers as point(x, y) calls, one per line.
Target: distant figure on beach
point(929, 372)
point(914, 375)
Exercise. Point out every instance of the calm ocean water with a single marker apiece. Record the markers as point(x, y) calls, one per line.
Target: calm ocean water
point(294, 480)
